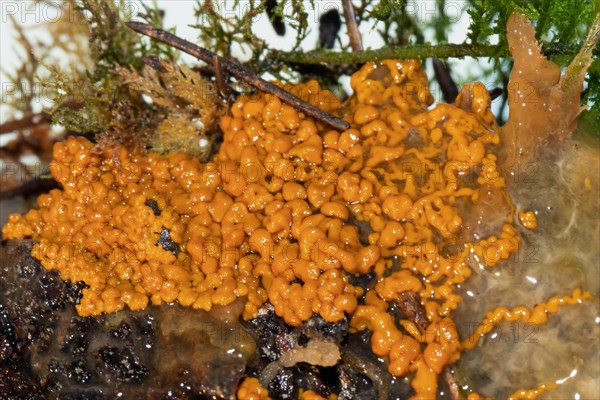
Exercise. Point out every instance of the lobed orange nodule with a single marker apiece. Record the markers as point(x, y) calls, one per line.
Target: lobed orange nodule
point(251, 389)
point(275, 216)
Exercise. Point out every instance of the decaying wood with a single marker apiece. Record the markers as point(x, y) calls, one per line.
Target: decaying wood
point(409, 303)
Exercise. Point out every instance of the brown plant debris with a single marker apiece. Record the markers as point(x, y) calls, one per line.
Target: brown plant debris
point(241, 73)
point(544, 105)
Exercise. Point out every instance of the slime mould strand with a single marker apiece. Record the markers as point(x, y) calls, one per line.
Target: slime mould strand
point(269, 218)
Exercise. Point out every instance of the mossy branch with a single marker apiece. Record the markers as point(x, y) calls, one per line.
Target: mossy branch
point(418, 51)
point(584, 58)
point(413, 51)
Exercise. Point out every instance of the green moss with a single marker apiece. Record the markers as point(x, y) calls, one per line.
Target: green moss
point(94, 99)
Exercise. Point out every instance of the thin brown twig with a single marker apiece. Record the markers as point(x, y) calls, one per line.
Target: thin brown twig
point(444, 78)
point(353, 33)
point(29, 121)
point(495, 93)
point(222, 86)
point(240, 72)
point(29, 187)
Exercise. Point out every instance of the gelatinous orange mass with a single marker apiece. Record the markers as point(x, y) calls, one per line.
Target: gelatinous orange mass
point(287, 211)
point(250, 389)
